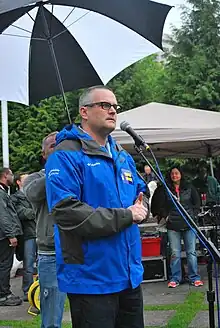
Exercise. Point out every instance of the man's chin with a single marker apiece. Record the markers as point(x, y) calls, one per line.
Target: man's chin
point(110, 126)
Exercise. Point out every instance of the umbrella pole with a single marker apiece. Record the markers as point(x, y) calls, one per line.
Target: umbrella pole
point(5, 145)
point(59, 79)
point(56, 66)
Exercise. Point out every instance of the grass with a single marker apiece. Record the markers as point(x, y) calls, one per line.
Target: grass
point(35, 323)
point(185, 313)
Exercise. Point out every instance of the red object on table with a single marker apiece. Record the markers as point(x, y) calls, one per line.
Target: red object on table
point(151, 246)
point(203, 198)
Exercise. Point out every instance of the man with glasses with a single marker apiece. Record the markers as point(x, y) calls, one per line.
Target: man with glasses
point(10, 229)
point(96, 199)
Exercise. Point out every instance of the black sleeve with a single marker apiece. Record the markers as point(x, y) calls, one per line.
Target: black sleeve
point(24, 213)
point(88, 222)
point(195, 200)
point(159, 204)
point(6, 220)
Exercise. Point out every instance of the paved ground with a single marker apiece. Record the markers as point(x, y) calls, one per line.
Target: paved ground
point(154, 294)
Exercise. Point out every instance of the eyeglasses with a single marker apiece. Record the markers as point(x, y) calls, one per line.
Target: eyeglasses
point(105, 105)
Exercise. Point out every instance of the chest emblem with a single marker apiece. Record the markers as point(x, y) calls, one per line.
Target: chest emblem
point(126, 176)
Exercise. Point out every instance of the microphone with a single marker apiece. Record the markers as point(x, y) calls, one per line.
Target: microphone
point(139, 141)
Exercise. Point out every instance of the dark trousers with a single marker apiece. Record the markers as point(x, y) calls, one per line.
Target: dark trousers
point(6, 262)
point(118, 310)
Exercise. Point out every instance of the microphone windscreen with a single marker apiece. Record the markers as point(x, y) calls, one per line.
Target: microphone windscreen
point(124, 125)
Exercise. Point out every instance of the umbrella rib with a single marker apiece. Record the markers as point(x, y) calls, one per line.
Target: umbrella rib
point(34, 23)
point(50, 28)
point(66, 28)
point(31, 17)
point(22, 36)
point(69, 14)
point(20, 28)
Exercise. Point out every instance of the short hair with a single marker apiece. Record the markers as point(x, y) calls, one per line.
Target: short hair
point(19, 175)
point(45, 139)
point(3, 170)
point(85, 97)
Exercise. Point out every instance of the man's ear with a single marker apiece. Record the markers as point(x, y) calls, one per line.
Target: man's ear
point(84, 113)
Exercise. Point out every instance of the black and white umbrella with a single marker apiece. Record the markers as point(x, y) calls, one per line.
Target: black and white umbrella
point(51, 47)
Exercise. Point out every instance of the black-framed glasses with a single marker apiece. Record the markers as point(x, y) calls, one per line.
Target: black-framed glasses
point(105, 105)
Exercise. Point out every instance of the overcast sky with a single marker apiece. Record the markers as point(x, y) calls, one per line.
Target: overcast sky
point(174, 14)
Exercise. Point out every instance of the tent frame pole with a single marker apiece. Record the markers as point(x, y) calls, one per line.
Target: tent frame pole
point(5, 142)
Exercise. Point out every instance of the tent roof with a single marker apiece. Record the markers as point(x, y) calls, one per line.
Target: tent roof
point(172, 131)
point(176, 142)
point(163, 116)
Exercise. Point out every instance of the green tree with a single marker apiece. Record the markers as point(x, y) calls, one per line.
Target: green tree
point(193, 75)
point(29, 125)
point(140, 83)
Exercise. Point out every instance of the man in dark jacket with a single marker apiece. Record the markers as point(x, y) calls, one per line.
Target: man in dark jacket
point(206, 184)
point(27, 217)
point(10, 229)
point(51, 299)
point(148, 174)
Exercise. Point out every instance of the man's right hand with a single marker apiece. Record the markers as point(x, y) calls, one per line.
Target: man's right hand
point(13, 242)
point(139, 211)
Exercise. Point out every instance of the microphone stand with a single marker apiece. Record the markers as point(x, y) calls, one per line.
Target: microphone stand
point(140, 147)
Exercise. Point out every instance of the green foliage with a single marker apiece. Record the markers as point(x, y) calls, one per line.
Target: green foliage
point(192, 66)
point(140, 83)
point(193, 76)
point(29, 125)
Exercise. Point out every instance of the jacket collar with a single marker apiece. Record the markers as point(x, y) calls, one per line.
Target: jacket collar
point(3, 187)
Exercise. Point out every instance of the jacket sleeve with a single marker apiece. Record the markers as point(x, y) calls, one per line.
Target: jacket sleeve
point(70, 213)
point(5, 221)
point(24, 213)
point(195, 200)
point(159, 204)
point(215, 189)
point(141, 184)
point(142, 187)
point(34, 188)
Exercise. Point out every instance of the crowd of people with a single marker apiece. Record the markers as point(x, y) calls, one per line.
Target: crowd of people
point(78, 219)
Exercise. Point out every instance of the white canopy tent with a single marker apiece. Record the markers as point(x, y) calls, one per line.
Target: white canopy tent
point(163, 116)
point(172, 131)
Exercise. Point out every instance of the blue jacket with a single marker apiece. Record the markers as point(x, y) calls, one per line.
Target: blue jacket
point(89, 188)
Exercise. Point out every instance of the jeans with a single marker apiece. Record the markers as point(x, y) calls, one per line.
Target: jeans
point(189, 238)
point(28, 263)
point(6, 262)
point(118, 310)
point(51, 299)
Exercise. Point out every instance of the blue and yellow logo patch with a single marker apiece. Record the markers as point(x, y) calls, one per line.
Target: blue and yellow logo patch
point(126, 176)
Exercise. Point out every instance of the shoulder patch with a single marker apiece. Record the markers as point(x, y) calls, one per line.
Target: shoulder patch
point(74, 145)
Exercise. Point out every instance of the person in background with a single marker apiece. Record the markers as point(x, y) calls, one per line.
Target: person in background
point(26, 215)
point(96, 198)
point(10, 229)
point(162, 207)
point(148, 174)
point(206, 184)
point(51, 299)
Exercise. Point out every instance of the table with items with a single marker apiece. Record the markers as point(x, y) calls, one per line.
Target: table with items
point(155, 248)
